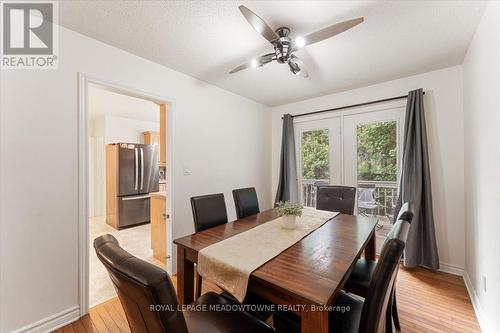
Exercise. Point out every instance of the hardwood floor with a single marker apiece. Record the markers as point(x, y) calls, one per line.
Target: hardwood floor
point(427, 302)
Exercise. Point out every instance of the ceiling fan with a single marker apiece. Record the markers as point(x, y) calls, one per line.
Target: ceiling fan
point(284, 46)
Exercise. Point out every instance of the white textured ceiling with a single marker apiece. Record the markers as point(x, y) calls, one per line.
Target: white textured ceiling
point(206, 39)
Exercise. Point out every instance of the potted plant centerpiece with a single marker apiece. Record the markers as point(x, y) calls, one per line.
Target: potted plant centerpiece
point(290, 212)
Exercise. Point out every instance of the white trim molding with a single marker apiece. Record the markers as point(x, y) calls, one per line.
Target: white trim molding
point(451, 269)
point(483, 323)
point(53, 322)
point(84, 81)
point(83, 192)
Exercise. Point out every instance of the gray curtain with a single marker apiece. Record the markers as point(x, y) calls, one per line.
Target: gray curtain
point(415, 187)
point(288, 187)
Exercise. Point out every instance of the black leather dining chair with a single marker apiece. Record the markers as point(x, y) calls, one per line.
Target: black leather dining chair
point(368, 315)
point(150, 303)
point(246, 202)
point(208, 211)
point(359, 280)
point(336, 198)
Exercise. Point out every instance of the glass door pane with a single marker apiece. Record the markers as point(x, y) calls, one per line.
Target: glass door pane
point(377, 168)
point(318, 156)
point(315, 160)
point(372, 145)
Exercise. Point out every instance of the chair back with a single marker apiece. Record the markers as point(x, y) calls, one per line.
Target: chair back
point(367, 195)
point(405, 212)
point(141, 285)
point(246, 202)
point(382, 283)
point(336, 199)
point(208, 211)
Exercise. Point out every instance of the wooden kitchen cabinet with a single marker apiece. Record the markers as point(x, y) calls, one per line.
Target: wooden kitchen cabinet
point(159, 226)
point(151, 138)
point(163, 135)
point(159, 138)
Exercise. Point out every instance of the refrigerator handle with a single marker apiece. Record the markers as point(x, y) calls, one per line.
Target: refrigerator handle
point(142, 168)
point(136, 168)
point(137, 197)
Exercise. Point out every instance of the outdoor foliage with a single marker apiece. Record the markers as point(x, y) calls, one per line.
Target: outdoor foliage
point(377, 155)
point(315, 160)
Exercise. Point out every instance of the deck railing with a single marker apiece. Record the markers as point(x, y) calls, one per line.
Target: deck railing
point(385, 195)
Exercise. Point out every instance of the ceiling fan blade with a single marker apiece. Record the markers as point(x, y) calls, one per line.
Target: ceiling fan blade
point(256, 62)
point(297, 66)
point(259, 24)
point(241, 67)
point(331, 31)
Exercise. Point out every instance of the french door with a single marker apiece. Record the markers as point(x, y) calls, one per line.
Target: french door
point(319, 155)
point(360, 148)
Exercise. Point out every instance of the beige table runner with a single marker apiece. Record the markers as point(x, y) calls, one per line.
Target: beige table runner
point(230, 262)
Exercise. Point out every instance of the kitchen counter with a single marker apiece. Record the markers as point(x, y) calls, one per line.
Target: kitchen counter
point(160, 195)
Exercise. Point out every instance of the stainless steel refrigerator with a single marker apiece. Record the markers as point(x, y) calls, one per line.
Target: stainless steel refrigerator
point(136, 175)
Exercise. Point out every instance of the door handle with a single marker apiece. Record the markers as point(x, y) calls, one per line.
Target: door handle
point(142, 168)
point(136, 168)
point(166, 216)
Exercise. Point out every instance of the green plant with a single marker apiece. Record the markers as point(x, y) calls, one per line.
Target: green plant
point(289, 209)
point(315, 155)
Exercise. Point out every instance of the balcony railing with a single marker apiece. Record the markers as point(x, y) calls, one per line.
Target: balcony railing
point(385, 195)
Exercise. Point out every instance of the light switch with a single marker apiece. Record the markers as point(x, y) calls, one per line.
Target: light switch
point(187, 171)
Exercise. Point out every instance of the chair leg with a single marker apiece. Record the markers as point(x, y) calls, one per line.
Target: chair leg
point(388, 320)
point(394, 310)
point(198, 285)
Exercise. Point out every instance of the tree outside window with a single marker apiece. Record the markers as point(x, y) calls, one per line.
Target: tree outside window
point(315, 155)
point(377, 151)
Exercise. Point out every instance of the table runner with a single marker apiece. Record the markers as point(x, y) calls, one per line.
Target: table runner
point(230, 262)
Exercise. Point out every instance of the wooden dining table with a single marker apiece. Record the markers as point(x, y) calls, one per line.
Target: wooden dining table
point(307, 276)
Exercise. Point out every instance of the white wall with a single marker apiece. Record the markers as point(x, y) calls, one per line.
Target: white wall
point(481, 69)
point(444, 117)
point(118, 129)
point(221, 137)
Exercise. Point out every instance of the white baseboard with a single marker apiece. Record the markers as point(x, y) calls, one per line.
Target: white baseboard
point(452, 269)
point(53, 322)
point(475, 304)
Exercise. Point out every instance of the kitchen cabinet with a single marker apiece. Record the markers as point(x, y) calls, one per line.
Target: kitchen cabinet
point(159, 138)
point(151, 138)
point(159, 226)
point(163, 135)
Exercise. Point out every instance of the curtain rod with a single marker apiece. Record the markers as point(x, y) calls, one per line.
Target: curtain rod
point(351, 106)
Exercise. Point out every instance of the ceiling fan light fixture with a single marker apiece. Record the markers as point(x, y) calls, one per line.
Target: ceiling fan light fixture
point(300, 42)
point(284, 46)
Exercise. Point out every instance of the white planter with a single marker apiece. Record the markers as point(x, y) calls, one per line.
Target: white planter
point(289, 222)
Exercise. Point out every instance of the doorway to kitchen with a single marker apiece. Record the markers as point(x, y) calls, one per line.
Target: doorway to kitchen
point(358, 147)
point(125, 181)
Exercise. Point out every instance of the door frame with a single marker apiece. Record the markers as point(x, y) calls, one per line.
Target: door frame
point(84, 81)
point(334, 126)
point(350, 162)
point(341, 114)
